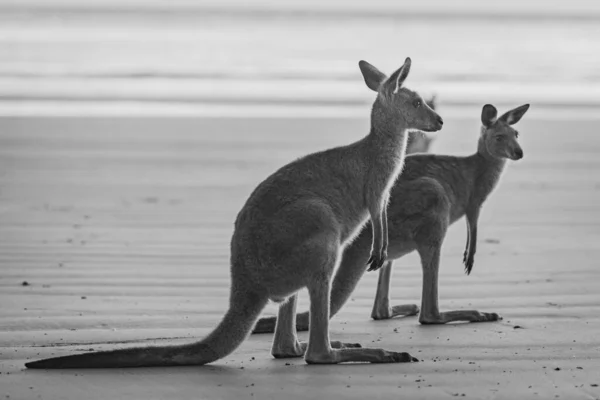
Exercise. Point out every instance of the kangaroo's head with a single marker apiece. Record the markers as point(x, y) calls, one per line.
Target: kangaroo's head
point(419, 141)
point(397, 104)
point(498, 137)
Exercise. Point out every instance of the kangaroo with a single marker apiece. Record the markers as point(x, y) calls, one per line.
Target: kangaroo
point(433, 192)
point(420, 142)
point(289, 235)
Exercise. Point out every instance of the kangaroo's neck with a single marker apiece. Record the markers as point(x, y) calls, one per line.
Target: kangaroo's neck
point(386, 127)
point(487, 172)
point(387, 138)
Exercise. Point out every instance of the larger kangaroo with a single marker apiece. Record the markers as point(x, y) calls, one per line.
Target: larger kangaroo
point(433, 192)
point(290, 234)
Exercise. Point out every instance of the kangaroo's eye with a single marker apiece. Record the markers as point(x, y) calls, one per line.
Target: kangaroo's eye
point(499, 138)
point(417, 103)
point(516, 134)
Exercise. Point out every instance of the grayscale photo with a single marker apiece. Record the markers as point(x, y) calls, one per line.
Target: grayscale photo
point(299, 199)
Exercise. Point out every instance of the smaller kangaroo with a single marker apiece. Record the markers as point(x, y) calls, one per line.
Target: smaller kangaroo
point(418, 141)
point(290, 235)
point(432, 192)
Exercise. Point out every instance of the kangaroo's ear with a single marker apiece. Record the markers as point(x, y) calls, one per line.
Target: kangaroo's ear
point(373, 77)
point(397, 78)
point(488, 115)
point(513, 116)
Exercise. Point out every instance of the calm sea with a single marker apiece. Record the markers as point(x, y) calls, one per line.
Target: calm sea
point(63, 56)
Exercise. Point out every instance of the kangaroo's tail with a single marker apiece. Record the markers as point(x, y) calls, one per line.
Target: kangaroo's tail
point(244, 310)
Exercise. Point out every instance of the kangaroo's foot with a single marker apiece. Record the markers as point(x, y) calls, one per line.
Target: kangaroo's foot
point(387, 312)
point(461, 315)
point(336, 356)
point(299, 348)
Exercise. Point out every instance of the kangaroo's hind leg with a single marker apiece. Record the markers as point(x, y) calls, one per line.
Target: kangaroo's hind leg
point(285, 341)
point(306, 259)
point(381, 305)
point(351, 269)
point(319, 349)
point(324, 255)
point(413, 204)
point(430, 311)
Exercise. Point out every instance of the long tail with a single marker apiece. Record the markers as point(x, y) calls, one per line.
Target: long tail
point(244, 310)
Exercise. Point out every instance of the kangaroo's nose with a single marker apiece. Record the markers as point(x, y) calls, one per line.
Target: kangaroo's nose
point(440, 120)
point(518, 154)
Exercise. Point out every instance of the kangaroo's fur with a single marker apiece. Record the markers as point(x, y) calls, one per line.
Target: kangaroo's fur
point(433, 192)
point(290, 235)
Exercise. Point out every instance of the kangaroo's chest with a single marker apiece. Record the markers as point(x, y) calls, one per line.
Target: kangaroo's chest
point(386, 172)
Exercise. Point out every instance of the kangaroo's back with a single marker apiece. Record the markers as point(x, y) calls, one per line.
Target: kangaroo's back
point(453, 174)
point(328, 176)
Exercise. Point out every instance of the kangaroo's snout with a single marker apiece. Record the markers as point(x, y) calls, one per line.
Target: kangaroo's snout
point(438, 123)
point(433, 122)
point(518, 154)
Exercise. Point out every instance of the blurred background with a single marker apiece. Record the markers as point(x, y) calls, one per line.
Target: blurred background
point(268, 57)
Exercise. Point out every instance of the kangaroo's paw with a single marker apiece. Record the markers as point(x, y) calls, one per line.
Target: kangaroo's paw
point(377, 259)
point(461, 315)
point(468, 260)
point(404, 310)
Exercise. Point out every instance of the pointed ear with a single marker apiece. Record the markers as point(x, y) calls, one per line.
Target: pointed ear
point(373, 77)
point(488, 115)
point(397, 78)
point(513, 116)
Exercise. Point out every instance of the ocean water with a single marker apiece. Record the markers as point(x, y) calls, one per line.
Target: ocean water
point(60, 56)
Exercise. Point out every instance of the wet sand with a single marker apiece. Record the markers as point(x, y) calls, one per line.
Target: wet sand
point(115, 232)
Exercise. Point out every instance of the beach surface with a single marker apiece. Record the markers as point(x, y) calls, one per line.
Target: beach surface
point(114, 232)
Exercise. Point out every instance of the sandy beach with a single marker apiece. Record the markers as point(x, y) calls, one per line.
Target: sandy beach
point(115, 232)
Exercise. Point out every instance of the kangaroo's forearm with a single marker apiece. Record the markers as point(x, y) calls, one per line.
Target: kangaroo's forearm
point(377, 226)
point(379, 246)
point(472, 221)
point(467, 246)
point(469, 258)
point(472, 241)
point(384, 225)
